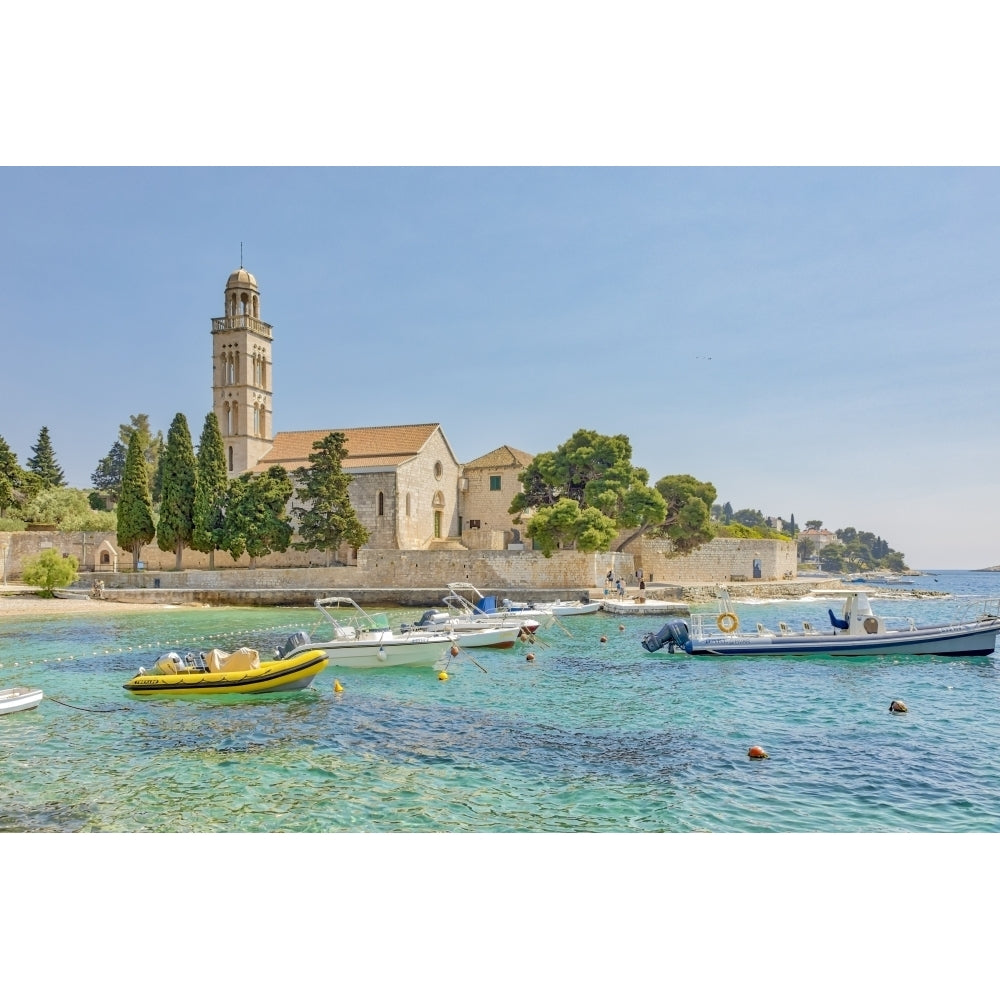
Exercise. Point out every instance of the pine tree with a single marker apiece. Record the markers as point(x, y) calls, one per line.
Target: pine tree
point(107, 477)
point(210, 491)
point(177, 467)
point(43, 461)
point(135, 506)
point(327, 518)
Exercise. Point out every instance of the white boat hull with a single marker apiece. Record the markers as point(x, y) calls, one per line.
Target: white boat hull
point(19, 699)
point(373, 652)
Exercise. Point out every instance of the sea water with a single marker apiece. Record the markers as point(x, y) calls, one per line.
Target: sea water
point(593, 734)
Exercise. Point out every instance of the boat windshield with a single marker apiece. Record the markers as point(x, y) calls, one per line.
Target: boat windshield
point(864, 608)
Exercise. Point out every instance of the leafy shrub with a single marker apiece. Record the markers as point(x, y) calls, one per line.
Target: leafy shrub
point(49, 570)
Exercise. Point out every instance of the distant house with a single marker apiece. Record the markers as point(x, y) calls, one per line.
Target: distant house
point(820, 537)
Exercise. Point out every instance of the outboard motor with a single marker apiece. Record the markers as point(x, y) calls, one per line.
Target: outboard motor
point(673, 634)
point(292, 643)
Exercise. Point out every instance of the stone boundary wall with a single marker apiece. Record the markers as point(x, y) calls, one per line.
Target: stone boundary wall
point(721, 560)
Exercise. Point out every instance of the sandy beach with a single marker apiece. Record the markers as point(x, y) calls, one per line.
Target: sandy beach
point(17, 602)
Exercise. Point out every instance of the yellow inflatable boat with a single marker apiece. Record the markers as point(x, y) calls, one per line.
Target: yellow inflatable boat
point(241, 671)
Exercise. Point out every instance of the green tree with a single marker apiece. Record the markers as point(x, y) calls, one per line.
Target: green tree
point(175, 526)
point(135, 506)
point(49, 570)
point(152, 448)
point(566, 472)
point(11, 479)
point(687, 522)
point(565, 525)
point(68, 509)
point(255, 520)
point(210, 488)
point(326, 516)
point(813, 525)
point(107, 477)
point(43, 461)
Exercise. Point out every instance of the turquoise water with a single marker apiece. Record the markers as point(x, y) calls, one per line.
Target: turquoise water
point(591, 736)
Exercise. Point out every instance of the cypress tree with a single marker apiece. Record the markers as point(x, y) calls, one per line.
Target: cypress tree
point(11, 478)
point(178, 471)
point(43, 461)
point(327, 517)
point(135, 507)
point(256, 522)
point(210, 491)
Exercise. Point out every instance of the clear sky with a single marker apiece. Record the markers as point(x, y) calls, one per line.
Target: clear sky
point(816, 342)
point(815, 339)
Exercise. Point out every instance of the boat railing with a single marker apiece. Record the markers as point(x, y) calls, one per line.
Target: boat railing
point(355, 621)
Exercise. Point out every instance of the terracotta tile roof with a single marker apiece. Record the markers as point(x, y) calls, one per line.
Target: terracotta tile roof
point(366, 446)
point(503, 457)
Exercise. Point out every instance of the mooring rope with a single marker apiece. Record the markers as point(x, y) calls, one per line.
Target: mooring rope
point(80, 708)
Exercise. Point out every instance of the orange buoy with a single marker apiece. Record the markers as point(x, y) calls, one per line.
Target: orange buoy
point(604, 638)
point(443, 676)
point(454, 650)
point(897, 706)
point(757, 753)
point(530, 657)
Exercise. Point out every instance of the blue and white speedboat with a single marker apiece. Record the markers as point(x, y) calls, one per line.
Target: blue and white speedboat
point(857, 631)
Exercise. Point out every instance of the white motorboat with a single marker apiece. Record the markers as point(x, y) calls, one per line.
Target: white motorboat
point(19, 699)
point(486, 608)
point(468, 632)
point(360, 639)
point(857, 631)
point(560, 609)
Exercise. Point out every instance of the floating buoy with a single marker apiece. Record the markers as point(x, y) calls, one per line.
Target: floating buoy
point(604, 638)
point(443, 676)
point(338, 687)
point(897, 706)
point(454, 651)
point(530, 657)
point(621, 628)
point(381, 654)
point(757, 753)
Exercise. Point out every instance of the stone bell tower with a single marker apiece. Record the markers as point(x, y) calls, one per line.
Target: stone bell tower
point(241, 375)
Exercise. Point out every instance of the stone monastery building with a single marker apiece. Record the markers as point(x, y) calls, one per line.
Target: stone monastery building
point(408, 487)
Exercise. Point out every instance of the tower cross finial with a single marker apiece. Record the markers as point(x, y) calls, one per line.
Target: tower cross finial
point(241, 255)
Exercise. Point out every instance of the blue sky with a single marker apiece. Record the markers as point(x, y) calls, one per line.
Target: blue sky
point(816, 342)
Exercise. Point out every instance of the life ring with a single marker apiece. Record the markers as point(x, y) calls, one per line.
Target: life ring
point(727, 622)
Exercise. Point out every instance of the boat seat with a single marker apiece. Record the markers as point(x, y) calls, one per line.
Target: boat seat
point(763, 631)
point(835, 621)
point(807, 628)
point(784, 629)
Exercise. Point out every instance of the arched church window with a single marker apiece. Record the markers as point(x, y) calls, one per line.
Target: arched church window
point(381, 504)
point(236, 418)
point(407, 504)
point(256, 420)
point(230, 458)
point(256, 307)
point(236, 368)
point(229, 419)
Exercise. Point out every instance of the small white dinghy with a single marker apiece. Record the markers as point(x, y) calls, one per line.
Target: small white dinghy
point(19, 699)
